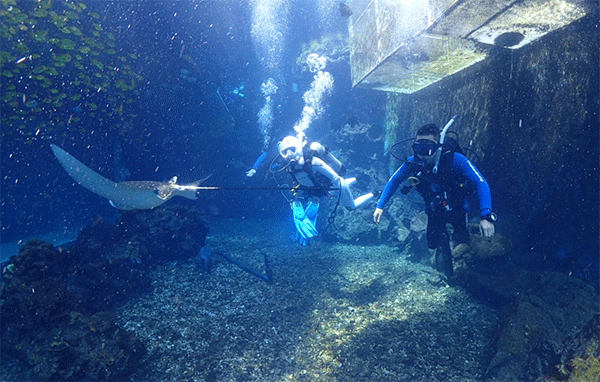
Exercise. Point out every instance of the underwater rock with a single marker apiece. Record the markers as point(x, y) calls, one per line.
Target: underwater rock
point(35, 295)
point(115, 258)
point(419, 222)
point(402, 233)
point(580, 359)
point(85, 348)
point(361, 137)
point(539, 310)
point(497, 246)
point(353, 227)
point(537, 326)
point(56, 305)
point(362, 147)
point(481, 257)
point(165, 234)
point(43, 329)
point(144, 238)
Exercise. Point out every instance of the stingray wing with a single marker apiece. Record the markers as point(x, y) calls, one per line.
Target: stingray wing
point(124, 196)
point(84, 175)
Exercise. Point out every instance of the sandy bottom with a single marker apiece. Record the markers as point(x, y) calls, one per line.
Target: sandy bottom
point(334, 312)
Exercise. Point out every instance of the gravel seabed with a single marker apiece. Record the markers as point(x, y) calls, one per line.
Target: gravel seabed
point(334, 312)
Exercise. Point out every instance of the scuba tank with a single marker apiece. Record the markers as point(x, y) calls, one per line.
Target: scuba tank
point(326, 156)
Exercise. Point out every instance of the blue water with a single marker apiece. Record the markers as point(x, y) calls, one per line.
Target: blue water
point(149, 90)
point(173, 122)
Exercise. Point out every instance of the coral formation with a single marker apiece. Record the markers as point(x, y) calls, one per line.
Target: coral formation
point(537, 324)
point(52, 331)
point(57, 306)
point(333, 46)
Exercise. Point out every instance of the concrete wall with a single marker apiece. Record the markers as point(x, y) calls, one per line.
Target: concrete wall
point(531, 116)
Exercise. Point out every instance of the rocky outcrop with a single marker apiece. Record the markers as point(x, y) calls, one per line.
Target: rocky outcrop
point(57, 303)
point(50, 330)
point(537, 325)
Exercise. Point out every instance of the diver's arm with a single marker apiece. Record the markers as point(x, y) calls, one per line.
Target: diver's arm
point(392, 185)
point(260, 160)
point(257, 164)
point(475, 181)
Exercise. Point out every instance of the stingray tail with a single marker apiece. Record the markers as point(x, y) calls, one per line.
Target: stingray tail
point(188, 191)
point(190, 194)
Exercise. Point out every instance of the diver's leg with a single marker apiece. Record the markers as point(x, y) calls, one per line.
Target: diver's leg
point(362, 199)
point(298, 215)
point(443, 255)
point(435, 224)
point(346, 198)
point(461, 232)
point(305, 228)
point(439, 239)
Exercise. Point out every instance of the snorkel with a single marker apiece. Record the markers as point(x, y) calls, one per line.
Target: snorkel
point(438, 153)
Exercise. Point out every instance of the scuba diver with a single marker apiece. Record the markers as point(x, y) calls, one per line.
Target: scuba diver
point(315, 171)
point(443, 177)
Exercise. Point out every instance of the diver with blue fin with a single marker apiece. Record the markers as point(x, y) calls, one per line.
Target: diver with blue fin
point(315, 172)
point(443, 177)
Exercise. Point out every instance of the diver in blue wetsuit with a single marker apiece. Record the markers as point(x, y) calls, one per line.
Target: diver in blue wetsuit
point(443, 178)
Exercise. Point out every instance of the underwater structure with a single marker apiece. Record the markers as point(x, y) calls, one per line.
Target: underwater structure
point(405, 46)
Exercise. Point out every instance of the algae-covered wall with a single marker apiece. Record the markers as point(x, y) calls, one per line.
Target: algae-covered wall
point(531, 115)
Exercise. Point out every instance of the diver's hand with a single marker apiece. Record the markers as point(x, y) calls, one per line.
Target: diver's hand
point(486, 228)
point(377, 215)
point(250, 173)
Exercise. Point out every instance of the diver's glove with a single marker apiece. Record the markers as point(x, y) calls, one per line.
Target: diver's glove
point(250, 173)
point(305, 227)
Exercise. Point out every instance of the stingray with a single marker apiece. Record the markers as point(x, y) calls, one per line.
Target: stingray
point(136, 195)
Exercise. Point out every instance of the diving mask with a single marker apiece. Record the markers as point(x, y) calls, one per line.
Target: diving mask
point(290, 154)
point(289, 148)
point(425, 147)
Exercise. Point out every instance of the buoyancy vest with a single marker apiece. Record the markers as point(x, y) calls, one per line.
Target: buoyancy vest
point(443, 191)
point(317, 179)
